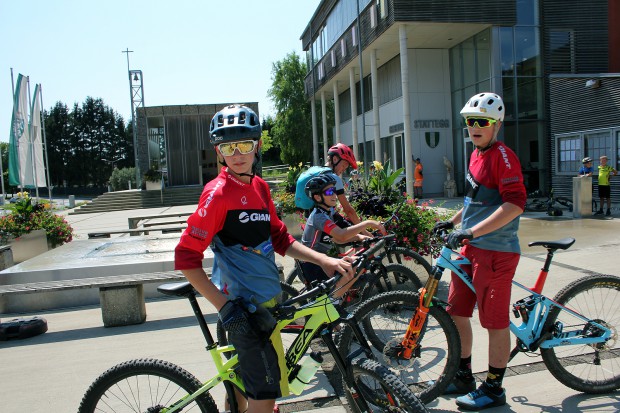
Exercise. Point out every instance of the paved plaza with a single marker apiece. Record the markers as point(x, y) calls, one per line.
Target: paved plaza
point(51, 372)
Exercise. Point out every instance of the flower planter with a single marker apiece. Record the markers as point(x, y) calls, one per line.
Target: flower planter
point(153, 185)
point(28, 245)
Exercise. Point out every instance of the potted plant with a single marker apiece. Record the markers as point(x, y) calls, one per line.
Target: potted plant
point(31, 228)
point(152, 178)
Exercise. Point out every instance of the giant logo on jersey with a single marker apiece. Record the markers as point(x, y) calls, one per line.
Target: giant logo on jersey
point(244, 217)
point(472, 186)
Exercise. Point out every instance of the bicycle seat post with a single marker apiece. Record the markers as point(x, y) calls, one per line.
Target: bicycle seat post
point(201, 319)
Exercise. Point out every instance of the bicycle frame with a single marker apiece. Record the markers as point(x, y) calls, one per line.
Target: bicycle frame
point(533, 309)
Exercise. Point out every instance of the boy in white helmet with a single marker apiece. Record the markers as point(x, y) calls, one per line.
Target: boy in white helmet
point(494, 199)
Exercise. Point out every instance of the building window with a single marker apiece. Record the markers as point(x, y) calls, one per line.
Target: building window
point(562, 47)
point(343, 47)
point(596, 144)
point(569, 153)
point(373, 16)
point(354, 35)
point(333, 53)
point(383, 8)
point(321, 71)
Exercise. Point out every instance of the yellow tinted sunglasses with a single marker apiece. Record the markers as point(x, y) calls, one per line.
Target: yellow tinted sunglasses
point(480, 122)
point(244, 147)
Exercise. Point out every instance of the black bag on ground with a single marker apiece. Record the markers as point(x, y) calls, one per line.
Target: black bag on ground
point(19, 328)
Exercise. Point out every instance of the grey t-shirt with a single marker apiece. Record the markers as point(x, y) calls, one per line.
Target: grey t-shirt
point(319, 225)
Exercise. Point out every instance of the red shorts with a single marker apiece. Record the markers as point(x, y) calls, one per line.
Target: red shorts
point(492, 274)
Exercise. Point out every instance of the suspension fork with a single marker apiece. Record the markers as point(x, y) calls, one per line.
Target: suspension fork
point(418, 319)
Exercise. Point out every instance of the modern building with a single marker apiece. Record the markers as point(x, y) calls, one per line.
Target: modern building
point(175, 140)
point(399, 72)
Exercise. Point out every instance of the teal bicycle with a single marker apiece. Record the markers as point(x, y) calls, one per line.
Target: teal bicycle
point(156, 386)
point(576, 332)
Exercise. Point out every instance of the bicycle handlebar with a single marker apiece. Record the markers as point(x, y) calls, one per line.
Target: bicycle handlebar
point(329, 284)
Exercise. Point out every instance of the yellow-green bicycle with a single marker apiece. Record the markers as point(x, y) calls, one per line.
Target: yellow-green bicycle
point(156, 386)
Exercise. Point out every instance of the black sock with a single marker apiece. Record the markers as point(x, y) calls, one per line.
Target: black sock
point(495, 376)
point(464, 372)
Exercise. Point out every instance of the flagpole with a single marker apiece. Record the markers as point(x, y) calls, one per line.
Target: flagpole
point(47, 163)
point(31, 144)
point(20, 186)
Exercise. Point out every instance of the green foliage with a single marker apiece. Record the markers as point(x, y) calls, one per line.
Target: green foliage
point(151, 175)
point(284, 202)
point(292, 130)
point(27, 217)
point(85, 143)
point(292, 175)
point(119, 178)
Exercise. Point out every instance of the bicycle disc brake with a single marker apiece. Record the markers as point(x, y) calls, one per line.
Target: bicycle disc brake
point(393, 355)
point(592, 331)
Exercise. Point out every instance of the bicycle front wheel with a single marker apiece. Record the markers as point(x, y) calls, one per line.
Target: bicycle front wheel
point(144, 385)
point(381, 390)
point(589, 368)
point(384, 320)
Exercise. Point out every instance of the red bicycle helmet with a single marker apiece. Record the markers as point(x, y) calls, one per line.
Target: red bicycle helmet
point(343, 152)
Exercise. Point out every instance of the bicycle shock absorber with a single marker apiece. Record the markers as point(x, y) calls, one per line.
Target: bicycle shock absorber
point(523, 307)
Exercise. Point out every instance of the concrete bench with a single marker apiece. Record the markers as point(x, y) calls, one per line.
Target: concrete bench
point(141, 231)
point(160, 223)
point(132, 222)
point(121, 296)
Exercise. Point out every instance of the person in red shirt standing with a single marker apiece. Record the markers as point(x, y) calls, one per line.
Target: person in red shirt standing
point(237, 218)
point(494, 199)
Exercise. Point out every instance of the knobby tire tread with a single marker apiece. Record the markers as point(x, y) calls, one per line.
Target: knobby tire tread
point(146, 366)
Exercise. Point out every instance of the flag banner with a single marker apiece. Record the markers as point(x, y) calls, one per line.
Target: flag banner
point(37, 142)
point(18, 142)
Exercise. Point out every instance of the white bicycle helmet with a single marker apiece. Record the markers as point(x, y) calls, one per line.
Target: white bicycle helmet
point(487, 105)
point(586, 159)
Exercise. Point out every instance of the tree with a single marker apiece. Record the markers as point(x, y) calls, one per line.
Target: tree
point(292, 130)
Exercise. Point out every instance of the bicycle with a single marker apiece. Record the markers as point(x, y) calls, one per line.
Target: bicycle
point(156, 386)
point(374, 278)
point(576, 331)
point(394, 254)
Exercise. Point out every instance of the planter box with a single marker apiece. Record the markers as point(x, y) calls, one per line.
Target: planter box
point(28, 245)
point(153, 185)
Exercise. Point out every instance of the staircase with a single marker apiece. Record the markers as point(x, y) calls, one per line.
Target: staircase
point(136, 199)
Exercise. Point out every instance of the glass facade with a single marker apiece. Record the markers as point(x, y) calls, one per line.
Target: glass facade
point(517, 76)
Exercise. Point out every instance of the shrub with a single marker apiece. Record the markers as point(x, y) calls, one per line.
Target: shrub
point(28, 217)
point(119, 178)
point(152, 175)
point(284, 202)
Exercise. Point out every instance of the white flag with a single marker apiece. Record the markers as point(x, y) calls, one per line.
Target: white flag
point(37, 142)
point(18, 144)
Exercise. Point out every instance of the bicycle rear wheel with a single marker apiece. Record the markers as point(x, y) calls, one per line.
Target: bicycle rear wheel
point(589, 368)
point(410, 259)
point(381, 389)
point(396, 277)
point(384, 320)
point(144, 385)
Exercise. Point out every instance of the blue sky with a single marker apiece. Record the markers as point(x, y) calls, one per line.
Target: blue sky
point(190, 52)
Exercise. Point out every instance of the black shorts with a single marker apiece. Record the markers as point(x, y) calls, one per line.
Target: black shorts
point(258, 360)
point(604, 191)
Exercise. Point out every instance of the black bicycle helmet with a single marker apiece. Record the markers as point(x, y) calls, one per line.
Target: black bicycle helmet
point(317, 184)
point(234, 123)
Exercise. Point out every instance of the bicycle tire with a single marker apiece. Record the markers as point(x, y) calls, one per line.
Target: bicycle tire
point(138, 385)
point(288, 291)
point(294, 275)
point(398, 277)
point(410, 259)
point(374, 381)
point(385, 318)
point(598, 298)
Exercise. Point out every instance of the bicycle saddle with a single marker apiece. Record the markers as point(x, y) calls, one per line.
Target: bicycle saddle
point(561, 244)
